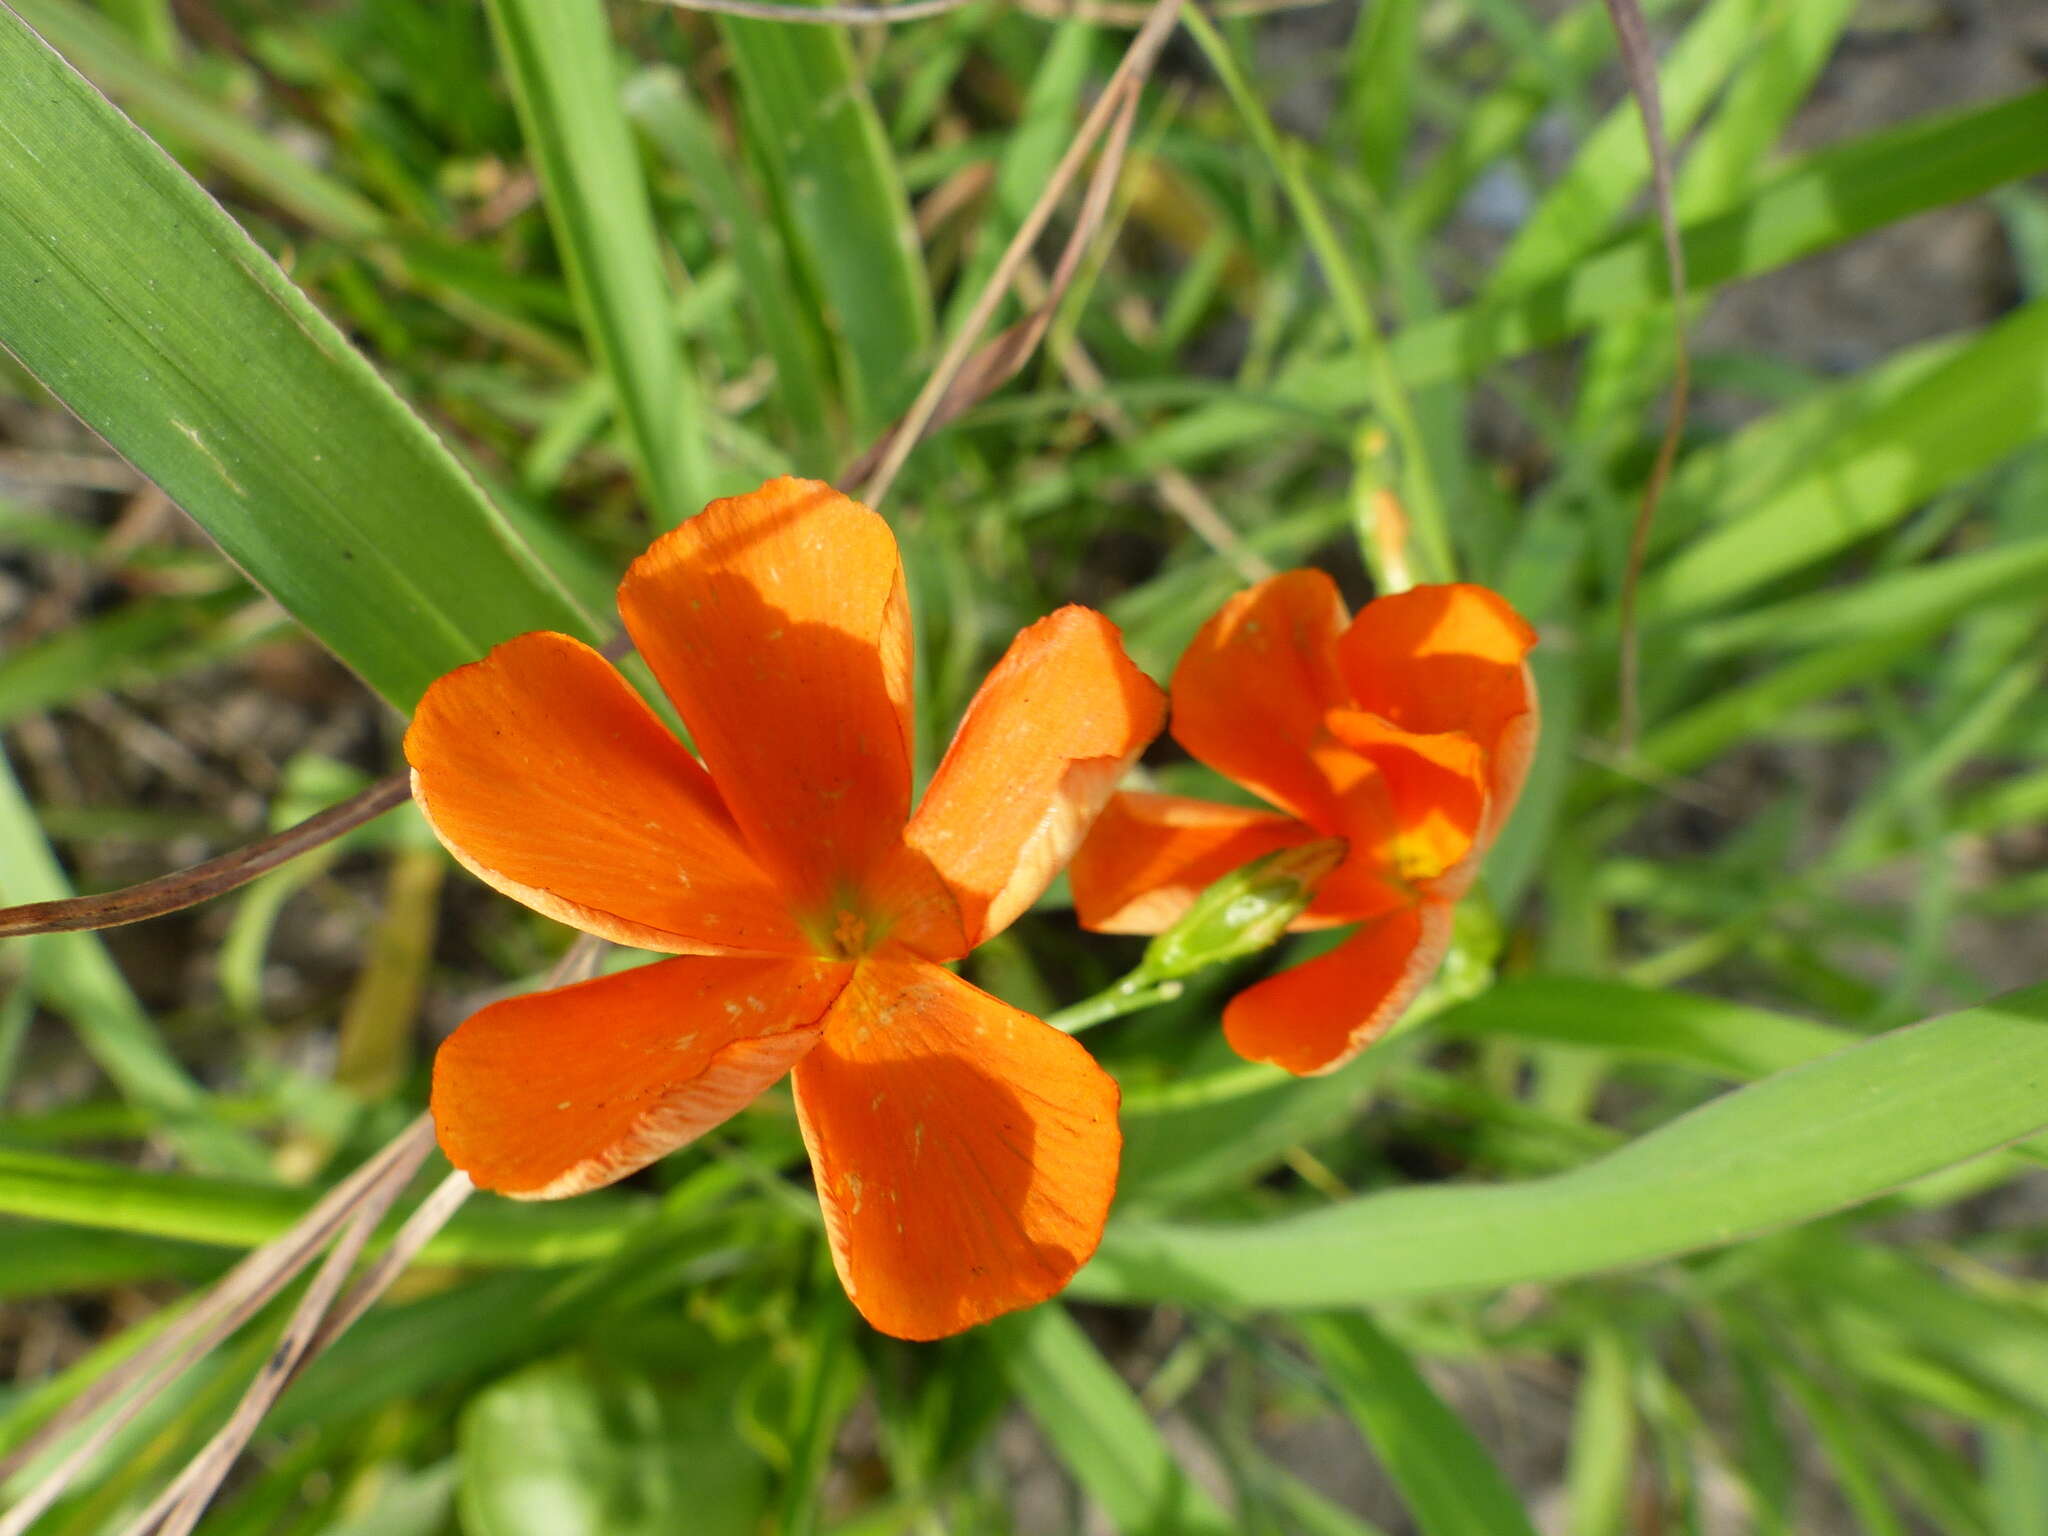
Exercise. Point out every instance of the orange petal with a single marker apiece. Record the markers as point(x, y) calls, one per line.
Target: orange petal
point(777, 621)
point(1439, 659)
point(553, 781)
point(1149, 856)
point(965, 1153)
point(1250, 692)
point(1040, 750)
point(915, 906)
point(1433, 792)
point(1314, 1017)
point(560, 1092)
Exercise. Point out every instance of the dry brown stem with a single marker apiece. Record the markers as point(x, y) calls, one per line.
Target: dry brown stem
point(202, 882)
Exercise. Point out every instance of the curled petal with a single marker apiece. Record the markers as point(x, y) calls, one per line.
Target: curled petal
point(965, 1153)
point(547, 776)
point(1431, 796)
point(1439, 659)
point(1042, 747)
point(559, 1092)
point(1251, 691)
point(777, 622)
point(1313, 1018)
point(1149, 856)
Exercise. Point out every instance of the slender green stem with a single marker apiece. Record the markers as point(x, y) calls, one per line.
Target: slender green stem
point(1135, 992)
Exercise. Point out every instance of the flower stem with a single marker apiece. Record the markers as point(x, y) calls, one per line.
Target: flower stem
point(1135, 992)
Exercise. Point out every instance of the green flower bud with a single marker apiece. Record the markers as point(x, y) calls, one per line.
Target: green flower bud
point(1243, 912)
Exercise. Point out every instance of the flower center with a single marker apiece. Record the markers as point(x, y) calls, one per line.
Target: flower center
point(844, 929)
point(849, 932)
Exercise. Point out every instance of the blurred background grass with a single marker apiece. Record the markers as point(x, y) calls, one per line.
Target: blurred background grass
point(625, 258)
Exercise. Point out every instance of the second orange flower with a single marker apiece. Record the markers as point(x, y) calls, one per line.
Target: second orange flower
point(1406, 732)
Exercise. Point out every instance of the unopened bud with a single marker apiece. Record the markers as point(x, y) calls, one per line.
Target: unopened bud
point(1245, 911)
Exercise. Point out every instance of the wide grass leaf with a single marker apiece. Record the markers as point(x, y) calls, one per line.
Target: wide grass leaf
point(141, 305)
point(1815, 1139)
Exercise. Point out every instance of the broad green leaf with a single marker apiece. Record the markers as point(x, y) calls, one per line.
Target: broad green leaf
point(1723, 478)
point(1814, 1139)
point(169, 102)
point(1448, 1482)
point(1099, 1430)
point(811, 122)
point(1825, 199)
point(1381, 70)
point(1749, 710)
point(558, 54)
point(128, 292)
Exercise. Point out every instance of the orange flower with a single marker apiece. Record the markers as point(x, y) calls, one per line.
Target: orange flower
point(1406, 732)
point(965, 1153)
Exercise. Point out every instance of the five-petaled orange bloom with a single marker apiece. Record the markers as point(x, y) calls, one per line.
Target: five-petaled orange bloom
point(1406, 731)
point(965, 1153)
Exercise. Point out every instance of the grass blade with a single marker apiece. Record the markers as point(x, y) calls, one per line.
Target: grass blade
point(559, 56)
point(128, 292)
point(1638, 1024)
point(1098, 1428)
point(660, 103)
point(842, 200)
point(1616, 159)
point(1798, 1145)
point(1824, 200)
point(1450, 1484)
point(1988, 400)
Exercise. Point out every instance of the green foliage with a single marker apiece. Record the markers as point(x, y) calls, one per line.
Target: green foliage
point(567, 1448)
point(430, 316)
point(143, 307)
